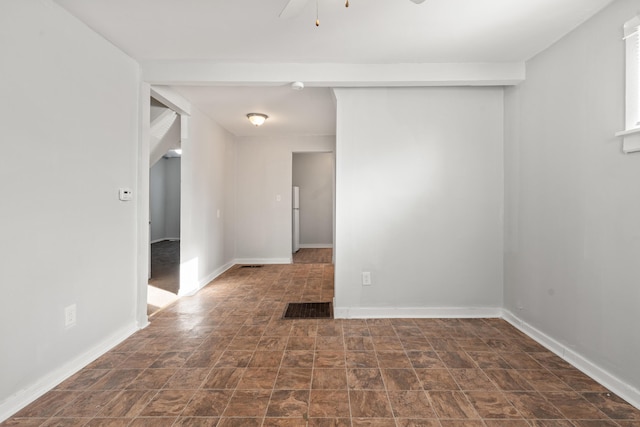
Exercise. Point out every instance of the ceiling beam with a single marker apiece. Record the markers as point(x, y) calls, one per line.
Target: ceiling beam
point(203, 73)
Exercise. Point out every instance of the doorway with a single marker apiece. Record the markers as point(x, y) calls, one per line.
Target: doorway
point(313, 177)
point(164, 207)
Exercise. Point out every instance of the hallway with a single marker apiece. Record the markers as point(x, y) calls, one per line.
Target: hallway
point(224, 357)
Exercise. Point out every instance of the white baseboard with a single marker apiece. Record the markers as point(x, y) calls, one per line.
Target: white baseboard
point(245, 261)
point(315, 246)
point(204, 282)
point(611, 382)
point(23, 397)
point(415, 312)
point(166, 239)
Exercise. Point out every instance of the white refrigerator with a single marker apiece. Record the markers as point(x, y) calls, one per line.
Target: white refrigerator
point(295, 198)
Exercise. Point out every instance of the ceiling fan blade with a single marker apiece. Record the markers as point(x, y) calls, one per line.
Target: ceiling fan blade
point(292, 8)
point(418, 1)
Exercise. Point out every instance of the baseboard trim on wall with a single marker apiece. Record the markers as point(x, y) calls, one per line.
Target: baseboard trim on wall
point(244, 261)
point(415, 312)
point(204, 282)
point(315, 246)
point(166, 239)
point(611, 382)
point(22, 398)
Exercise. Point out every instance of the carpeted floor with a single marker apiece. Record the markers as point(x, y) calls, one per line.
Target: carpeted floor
point(313, 256)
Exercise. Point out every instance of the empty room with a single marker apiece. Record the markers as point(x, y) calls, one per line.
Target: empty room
point(383, 213)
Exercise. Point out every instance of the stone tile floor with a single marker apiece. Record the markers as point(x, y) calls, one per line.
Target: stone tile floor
point(225, 358)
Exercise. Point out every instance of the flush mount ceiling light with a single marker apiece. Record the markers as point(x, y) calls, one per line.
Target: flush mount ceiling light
point(257, 119)
point(293, 7)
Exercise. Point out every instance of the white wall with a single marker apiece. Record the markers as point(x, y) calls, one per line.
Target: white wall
point(164, 188)
point(69, 118)
point(263, 172)
point(313, 174)
point(419, 177)
point(572, 232)
point(208, 161)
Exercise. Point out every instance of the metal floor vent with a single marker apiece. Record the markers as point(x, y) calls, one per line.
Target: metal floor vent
point(308, 310)
point(251, 266)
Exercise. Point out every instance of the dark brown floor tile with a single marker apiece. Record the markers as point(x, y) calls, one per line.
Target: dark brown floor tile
point(297, 359)
point(578, 381)
point(436, 379)
point(411, 404)
point(266, 359)
point(425, 360)
point(417, 422)
point(293, 379)
point(386, 343)
point(140, 359)
point(492, 404)
point(48, 404)
point(393, 359)
point(361, 359)
point(196, 422)
point(108, 422)
point(304, 328)
point(284, 422)
point(187, 378)
point(329, 404)
point(506, 423)
point(153, 422)
point(88, 404)
point(369, 404)
point(520, 360)
point(456, 360)
point(329, 328)
point(472, 380)
point(248, 403)
point(223, 378)
point(151, 379)
point(25, 422)
point(171, 359)
point(83, 379)
point(533, 405)
point(462, 423)
point(234, 359)
point(208, 403)
point(551, 423)
point(358, 343)
point(301, 343)
point(382, 330)
point(258, 379)
point(573, 406)
point(365, 379)
point(329, 359)
point(550, 361)
point(595, 423)
point(167, 402)
point(544, 380)
point(401, 379)
point(329, 422)
point(272, 344)
point(330, 343)
point(202, 359)
point(416, 343)
point(289, 404)
point(127, 404)
point(473, 344)
point(613, 406)
point(116, 379)
point(444, 344)
point(373, 422)
point(488, 360)
point(329, 379)
point(452, 404)
point(508, 379)
point(109, 360)
point(68, 422)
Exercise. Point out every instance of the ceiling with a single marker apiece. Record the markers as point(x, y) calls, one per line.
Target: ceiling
point(368, 32)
